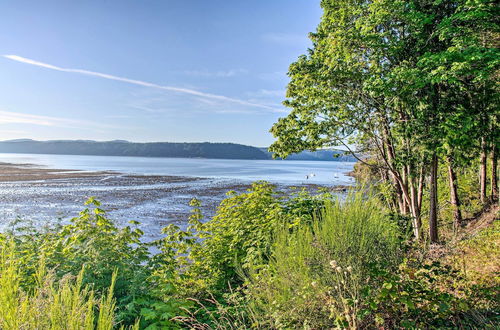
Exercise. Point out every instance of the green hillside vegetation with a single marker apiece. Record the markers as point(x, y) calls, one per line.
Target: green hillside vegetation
point(125, 148)
point(159, 149)
point(412, 86)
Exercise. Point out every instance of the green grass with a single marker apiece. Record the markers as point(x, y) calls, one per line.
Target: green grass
point(51, 304)
point(317, 271)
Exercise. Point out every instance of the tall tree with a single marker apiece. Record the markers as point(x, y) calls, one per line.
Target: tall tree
point(389, 77)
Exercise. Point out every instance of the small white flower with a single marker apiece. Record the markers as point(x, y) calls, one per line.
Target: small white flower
point(349, 269)
point(338, 269)
point(333, 263)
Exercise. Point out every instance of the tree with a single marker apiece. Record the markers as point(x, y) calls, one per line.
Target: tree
point(396, 79)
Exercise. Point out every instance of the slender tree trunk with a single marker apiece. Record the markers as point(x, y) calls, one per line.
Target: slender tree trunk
point(399, 197)
point(482, 171)
point(494, 177)
point(405, 185)
point(417, 224)
point(457, 214)
point(399, 185)
point(433, 229)
point(420, 191)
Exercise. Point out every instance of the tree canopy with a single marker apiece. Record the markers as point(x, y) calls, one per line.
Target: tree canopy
point(408, 82)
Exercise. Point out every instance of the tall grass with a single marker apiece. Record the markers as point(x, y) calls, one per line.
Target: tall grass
point(317, 272)
point(64, 304)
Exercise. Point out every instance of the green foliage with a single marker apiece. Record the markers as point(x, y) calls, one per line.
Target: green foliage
point(316, 271)
point(239, 236)
point(92, 241)
point(422, 296)
point(97, 243)
point(52, 304)
point(403, 81)
point(265, 260)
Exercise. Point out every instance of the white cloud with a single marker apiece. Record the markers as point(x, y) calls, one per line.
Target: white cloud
point(141, 83)
point(8, 117)
point(148, 109)
point(217, 74)
point(267, 93)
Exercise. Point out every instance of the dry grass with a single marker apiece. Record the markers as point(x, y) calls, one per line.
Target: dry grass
point(477, 253)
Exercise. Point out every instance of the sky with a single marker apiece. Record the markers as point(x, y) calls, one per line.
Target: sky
point(149, 70)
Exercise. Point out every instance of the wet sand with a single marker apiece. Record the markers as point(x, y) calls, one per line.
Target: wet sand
point(45, 196)
point(30, 172)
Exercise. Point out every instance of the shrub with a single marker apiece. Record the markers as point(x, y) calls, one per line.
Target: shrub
point(240, 235)
point(92, 241)
point(51, 304)
point(316, 272)
point(427, 295)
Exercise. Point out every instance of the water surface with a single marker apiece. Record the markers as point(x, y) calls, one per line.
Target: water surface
point(153, 191)
point(278, 171)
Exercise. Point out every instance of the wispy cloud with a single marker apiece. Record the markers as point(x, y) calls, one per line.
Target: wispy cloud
point(8, 117)
point(148, 109)
point(141, 83)
point(14, 131)
point(278, 93)
point(216, 74)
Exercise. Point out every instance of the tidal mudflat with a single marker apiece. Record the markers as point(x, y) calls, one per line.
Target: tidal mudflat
point(45, 196)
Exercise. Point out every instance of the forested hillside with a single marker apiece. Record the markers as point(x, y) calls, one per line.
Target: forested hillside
point(125, 148)
point(159, 149)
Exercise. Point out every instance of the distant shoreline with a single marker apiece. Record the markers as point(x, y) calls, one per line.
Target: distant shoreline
point(203, 150)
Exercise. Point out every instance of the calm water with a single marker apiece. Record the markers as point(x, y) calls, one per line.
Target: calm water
point(278, 171)
point(153, 201)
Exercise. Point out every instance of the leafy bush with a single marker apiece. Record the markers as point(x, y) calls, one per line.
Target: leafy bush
point(316, 272)
point(429, 295)
point(240, 235)
point(92, 241)
point(51, 304)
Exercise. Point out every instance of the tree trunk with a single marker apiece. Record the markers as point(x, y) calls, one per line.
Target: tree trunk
point(417, 223)
point(401, 188)
point(406, 182)
point(399, 197)
point(494, 177)
point(433, 229)
point(482, 171)
point(420, 191)
point(457, 214)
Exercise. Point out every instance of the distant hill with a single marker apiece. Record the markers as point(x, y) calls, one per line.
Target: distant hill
point(154, 149)
point(324, 155)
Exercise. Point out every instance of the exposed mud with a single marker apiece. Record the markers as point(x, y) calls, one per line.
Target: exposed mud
point(44, 195)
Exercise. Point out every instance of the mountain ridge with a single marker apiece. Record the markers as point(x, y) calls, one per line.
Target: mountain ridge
point(217, 150)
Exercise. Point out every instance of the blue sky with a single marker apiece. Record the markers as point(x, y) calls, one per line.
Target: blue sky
point(148, 70)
